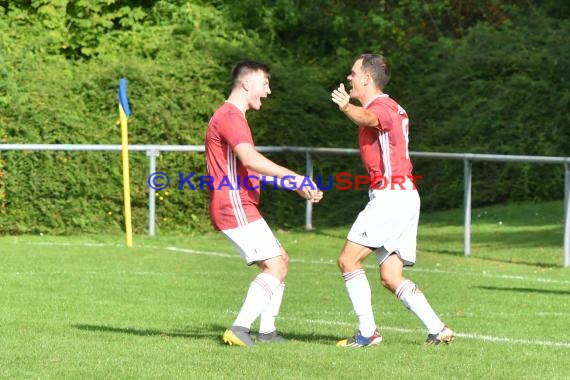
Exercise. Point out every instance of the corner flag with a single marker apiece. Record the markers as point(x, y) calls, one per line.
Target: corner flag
point(124, 113)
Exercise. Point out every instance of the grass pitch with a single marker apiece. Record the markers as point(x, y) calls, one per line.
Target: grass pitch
point(87, 307)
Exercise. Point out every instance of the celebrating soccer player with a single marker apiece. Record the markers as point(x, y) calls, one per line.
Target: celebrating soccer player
point(231, 156)
point(388, 224)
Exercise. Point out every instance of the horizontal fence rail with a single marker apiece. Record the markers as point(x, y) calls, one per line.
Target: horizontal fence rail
point(152, 151)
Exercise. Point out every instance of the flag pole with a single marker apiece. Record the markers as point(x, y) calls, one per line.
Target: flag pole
point(124, 113)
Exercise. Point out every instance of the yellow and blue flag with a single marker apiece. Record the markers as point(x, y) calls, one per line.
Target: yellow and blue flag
point(124, 113)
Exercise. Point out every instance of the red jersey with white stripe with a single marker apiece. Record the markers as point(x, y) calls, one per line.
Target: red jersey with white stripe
point(384, 149)
point(231, 203)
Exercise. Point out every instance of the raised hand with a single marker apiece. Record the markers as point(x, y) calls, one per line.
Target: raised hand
point(341, 97)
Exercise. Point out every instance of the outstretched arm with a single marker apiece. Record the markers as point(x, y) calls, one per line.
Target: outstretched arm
point(359, 115)
point(258, 163)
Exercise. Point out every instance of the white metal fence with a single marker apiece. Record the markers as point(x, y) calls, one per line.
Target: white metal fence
point(152, 151)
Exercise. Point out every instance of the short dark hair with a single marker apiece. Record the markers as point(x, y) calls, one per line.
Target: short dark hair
point(376, 65)
point(245, 67)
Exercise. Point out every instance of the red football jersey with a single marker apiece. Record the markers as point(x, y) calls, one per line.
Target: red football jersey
point(384, 149)
point(234, 194)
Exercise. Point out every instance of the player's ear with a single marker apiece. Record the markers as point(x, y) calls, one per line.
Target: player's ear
point(245, 84)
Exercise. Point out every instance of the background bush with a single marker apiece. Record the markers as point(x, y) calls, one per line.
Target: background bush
point(485, 78)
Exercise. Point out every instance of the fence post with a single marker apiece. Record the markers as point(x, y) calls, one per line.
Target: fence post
point(309, 204)
point(566, 261)
point(152, 154)
point(467, 206)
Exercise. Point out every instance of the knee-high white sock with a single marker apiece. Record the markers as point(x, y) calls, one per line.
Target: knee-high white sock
point(258, 297)
point(267, 318)
point(360, 295)
point(413, 298)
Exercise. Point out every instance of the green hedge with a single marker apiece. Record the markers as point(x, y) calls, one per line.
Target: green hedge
point(500, 86)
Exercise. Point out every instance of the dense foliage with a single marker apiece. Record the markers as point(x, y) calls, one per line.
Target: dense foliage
point(486, 77)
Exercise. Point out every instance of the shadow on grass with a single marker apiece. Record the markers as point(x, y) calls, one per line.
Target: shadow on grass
point(134, 331)
point(452, 252)
point(516, 261)
point(525, 238)
point(521, 246)
point(211, 332)
point(216, 331)
point(520, 214)
point(527, 290)
point(499, 237)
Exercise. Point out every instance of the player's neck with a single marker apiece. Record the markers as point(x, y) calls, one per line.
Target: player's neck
point(239, 102)
point(370, 96)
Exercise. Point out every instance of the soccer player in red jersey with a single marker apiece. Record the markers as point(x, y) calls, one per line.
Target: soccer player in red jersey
point(236, 169)
point(388, 224)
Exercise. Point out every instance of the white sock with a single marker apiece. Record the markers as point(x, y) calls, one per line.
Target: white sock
point(360, 294)
point(258, 297)
point(413, 298)
point(267, 318)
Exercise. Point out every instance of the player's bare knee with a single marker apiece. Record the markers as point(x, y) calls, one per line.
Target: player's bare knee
point(285, 257)
point(277, 267)
point(284, 270)
point(345, 263)
point(389, 283)
point(385, 283)
point(281, 276)
point(339, 263)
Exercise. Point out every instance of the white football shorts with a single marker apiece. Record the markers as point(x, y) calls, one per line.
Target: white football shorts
point(254, 241)
point(389, 223)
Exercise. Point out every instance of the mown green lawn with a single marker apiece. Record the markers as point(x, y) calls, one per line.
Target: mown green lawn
point(87, 307)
